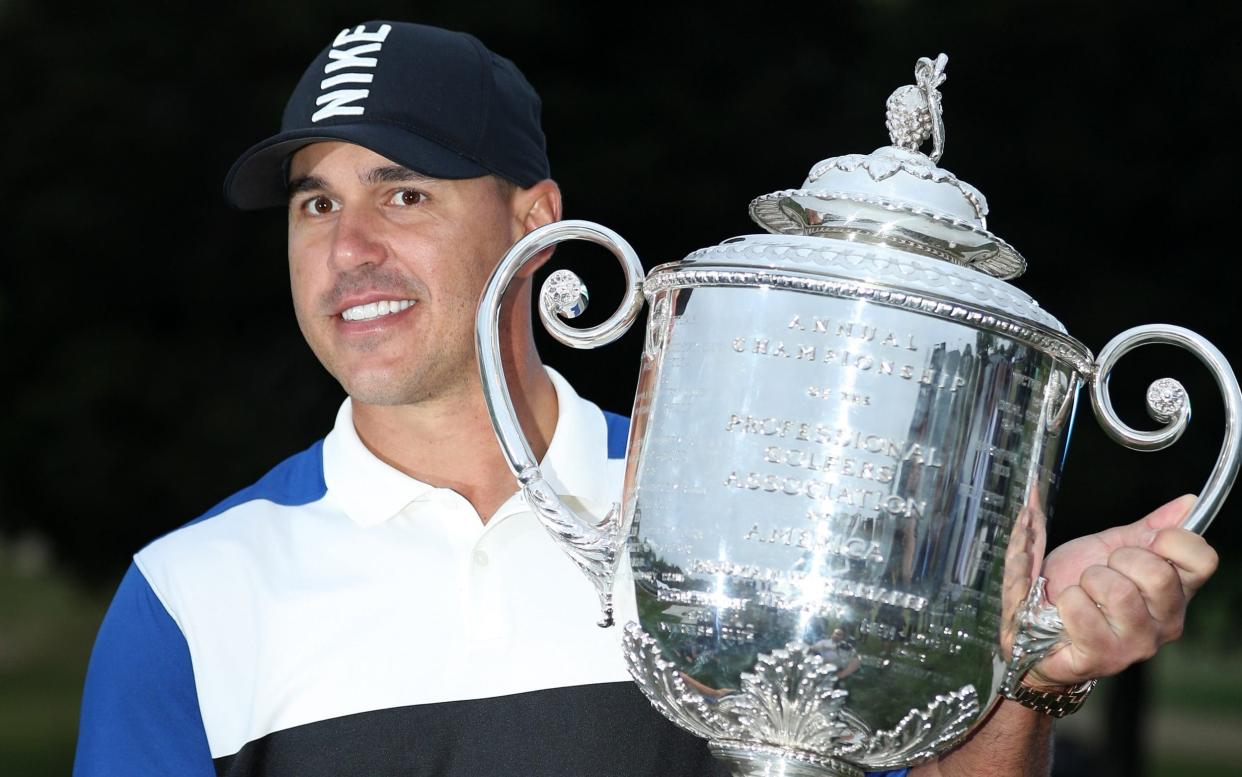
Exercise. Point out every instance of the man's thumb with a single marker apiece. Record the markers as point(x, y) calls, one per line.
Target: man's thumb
point(1142, 533)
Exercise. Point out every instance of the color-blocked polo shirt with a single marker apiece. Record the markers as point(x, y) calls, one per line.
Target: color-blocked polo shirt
point(341, 618)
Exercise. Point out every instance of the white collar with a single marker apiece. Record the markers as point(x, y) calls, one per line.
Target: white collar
point(371, 491)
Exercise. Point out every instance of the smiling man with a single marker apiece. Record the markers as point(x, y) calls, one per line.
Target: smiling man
point(383, 603)
point(386, 267)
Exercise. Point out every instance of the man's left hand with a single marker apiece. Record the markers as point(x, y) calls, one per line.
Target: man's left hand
point(1122, 593)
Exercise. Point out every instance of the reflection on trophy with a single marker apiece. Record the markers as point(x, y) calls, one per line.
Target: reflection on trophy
point(847, 438)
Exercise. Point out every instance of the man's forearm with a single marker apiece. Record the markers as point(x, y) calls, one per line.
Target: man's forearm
point(1012, 740)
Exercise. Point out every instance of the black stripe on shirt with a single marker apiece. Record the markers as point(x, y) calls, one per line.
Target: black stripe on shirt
point(605, 730)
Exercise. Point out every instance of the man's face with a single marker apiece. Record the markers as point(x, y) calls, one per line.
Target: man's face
point(387, 267)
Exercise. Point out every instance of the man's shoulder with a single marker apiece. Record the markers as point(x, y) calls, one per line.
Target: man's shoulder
point(295, 482)
point(618, 433)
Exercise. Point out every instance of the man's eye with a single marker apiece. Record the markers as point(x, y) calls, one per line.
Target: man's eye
point(406, 198)
point(319, 205)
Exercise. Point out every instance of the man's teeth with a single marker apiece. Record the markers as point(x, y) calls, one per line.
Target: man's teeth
point(375, 309)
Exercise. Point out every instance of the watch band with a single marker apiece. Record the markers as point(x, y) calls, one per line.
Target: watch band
point(1057, 703)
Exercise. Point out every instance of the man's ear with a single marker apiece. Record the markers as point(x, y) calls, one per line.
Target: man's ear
point(538, 205)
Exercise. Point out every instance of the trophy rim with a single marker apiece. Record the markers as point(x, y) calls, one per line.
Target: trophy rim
point(683, 274)
point(1005, 263)
point(877, 261)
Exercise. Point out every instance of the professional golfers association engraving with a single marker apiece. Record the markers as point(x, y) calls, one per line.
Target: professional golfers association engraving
point(845, 446)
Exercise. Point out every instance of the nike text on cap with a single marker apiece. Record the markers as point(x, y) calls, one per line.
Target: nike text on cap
point(435, 101)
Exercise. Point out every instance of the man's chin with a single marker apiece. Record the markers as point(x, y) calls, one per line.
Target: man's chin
point(381, 393)
point(385, 389)
point(391, 384)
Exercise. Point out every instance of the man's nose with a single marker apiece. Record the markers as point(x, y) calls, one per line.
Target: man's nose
point(356, 241)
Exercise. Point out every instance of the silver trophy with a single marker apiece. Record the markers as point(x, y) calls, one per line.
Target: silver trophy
point(847, 436)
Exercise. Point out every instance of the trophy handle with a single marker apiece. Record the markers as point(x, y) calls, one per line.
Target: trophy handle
point(1040, 630)
point(594, 545)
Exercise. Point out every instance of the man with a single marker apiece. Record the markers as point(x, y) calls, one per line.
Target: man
point(836, 649)
point(383, 603)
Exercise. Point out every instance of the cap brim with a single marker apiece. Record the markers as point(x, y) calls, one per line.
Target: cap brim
point(257, 178)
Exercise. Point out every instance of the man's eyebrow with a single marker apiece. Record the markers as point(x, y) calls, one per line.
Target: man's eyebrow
point(393, 174)
point(386, 174)
point(305, 183)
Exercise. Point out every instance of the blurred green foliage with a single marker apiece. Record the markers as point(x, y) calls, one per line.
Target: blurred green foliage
point(47, 626)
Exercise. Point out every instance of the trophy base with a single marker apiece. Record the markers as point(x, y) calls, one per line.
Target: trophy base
point(755, 760)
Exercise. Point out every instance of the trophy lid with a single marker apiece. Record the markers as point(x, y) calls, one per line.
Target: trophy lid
point(891, 227)
point(897, 195)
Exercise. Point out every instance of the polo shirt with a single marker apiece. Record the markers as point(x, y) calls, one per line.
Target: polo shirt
point(341, 618)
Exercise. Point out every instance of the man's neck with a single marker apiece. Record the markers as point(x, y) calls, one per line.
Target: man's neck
point(449, 442)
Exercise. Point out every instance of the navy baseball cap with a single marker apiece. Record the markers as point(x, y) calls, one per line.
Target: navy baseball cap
point(435, 101)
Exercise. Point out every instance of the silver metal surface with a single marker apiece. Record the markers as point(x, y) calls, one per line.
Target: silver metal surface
point(870, 218)
point(928, 304)
point(833, 476)
point(1040, 631)
point(913, 114)
point(593, 542)
point(563, 294)
point(844, 450)
point(874, 263)
point(897, 195)
point(1168, 404)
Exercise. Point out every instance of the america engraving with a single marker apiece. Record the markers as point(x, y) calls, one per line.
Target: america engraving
point(831, 544)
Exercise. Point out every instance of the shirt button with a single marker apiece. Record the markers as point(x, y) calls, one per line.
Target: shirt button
point(480, 558)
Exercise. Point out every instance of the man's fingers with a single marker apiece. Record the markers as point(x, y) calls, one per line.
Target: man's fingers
point(1125, 593)
point(1122, 603)
point(1093, 644)
point(1108, 626)
point(1085, 622)
point(1191, 556)
point(1158, 582)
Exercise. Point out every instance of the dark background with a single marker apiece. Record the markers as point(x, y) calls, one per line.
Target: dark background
point(151, 363)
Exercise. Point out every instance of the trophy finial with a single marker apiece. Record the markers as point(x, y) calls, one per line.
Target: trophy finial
point(913, 111)
point(897, 195)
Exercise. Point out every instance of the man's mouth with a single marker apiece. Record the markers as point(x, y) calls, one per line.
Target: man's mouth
point(373, 310)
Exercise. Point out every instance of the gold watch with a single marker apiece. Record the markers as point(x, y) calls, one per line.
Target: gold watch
point(1057, 702)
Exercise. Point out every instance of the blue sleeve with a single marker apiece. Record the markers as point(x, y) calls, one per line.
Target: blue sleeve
point(618, 434)
point(898, 773)
point(140, 712)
